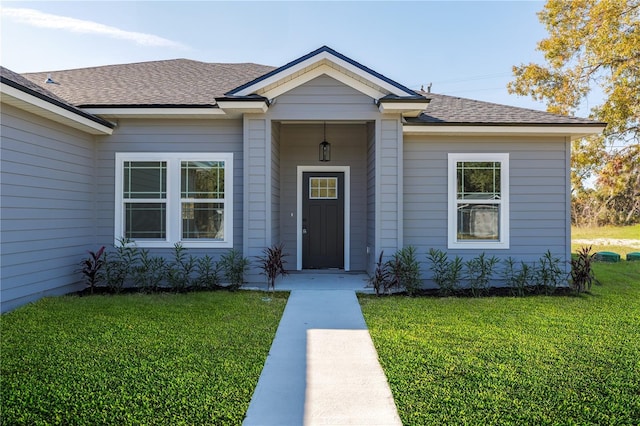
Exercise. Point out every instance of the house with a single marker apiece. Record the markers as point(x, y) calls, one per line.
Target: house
point(331, 158)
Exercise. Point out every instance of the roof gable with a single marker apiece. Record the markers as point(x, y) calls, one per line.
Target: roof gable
point(322, 61)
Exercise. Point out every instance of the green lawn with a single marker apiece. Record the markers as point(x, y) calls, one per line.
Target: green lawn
point(520, 361)
point(608, 238)
point(135, 359)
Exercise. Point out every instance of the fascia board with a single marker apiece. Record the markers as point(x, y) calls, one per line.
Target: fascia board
point(574, 132)
point(409, 109)
point(254, 88)
point(317, 72)
point(157, 112)
point(42, 108)
point(254, 107)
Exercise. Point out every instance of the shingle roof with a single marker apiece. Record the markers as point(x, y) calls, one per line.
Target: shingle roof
point(23, 84)
point(171, 82)
point(183, 82)
point(453, 110)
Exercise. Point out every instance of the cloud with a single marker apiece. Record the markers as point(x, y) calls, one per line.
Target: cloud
point(45, 20)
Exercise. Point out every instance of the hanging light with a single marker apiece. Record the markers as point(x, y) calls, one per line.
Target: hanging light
point(324, 153)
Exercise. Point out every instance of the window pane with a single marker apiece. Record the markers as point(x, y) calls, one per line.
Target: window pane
point(323, 188)
point(478, 222)
point(203, 220)
point(202, 179)
point(478, 180)
point(145, 179)
point(145, 220)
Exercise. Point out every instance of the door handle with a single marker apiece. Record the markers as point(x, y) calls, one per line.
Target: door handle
point(304, 230)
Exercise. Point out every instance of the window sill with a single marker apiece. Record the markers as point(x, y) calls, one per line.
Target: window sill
point(478, 245)
point(185, 244)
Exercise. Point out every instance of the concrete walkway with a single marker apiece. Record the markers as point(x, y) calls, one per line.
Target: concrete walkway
point(322, 368)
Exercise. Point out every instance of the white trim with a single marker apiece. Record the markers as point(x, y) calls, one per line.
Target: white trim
point(400, 178)
point(574, 132)
point(347, 210)
point(322, 57)
point(251, 107)
point(245, 185)
point(408, 109)
point(504, 223)
point(174, 202)
point(567, 215)
point(268, 184)
point(377, 227)
point(317, 72)
point(156, 112)
point(43, 108)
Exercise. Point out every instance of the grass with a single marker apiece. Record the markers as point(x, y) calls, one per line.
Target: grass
point(534, 360)
point(135, 359)
point(609, 233)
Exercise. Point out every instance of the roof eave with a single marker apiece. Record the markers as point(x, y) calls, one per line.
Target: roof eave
point(157, 111)
point(29, 100)
point(571, 130)
point(409, 106)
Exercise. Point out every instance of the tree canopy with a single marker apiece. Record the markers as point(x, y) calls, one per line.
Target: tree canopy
point(592, 45)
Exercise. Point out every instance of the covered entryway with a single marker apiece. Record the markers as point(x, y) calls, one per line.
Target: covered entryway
point(322, 220)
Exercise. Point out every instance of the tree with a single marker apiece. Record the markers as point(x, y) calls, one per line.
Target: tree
point(591, 43)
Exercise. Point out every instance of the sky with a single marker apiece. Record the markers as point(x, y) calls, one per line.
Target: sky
point(462, 48)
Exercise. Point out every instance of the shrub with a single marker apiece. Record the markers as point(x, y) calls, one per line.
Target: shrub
point(548, 275)
point(120, 263)
point(404, 270)
point(518, 280)
point(180, 268)
point(208, 273)
point(272, 264)
point(91, 268)
point(446, 273)
point(582, 275)
point(150, 272)
point(234, 266)
point(479, 271)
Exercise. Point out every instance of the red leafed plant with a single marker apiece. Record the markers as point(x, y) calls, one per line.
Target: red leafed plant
point(91, 267)
point(272, 264)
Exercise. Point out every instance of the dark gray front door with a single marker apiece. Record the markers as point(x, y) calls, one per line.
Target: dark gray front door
point(322, 220)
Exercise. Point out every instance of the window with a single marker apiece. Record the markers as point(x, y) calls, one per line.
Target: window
point(162, 199)
point(323, 188)
point(479, 201)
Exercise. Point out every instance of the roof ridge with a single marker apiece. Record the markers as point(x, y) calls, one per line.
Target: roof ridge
point(159, 61)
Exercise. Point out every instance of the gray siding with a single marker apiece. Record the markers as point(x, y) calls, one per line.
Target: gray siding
point(372, 256)
point(323, 98)
point(299, 147)
point(47, 207)
point(388, 172)
point(275, 183)
point(538, 194)
point(257, 190)
point(139, 135)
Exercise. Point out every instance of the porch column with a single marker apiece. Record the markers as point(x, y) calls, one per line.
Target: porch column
point(257, 192)
point(389, 187)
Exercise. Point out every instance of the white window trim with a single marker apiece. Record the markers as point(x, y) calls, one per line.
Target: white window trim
point(503, 243)
point(174, 202)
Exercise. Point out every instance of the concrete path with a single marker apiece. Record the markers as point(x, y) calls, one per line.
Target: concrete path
point(322, 368)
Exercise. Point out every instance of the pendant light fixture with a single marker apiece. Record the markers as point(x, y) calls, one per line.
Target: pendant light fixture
point(324, 152)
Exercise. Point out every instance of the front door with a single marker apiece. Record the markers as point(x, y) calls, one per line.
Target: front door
point(322, 220)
